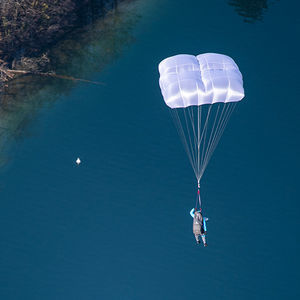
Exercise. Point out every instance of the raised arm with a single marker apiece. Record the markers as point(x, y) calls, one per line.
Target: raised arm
point(192, 212)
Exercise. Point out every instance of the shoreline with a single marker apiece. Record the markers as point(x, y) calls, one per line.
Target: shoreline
point(28, 39)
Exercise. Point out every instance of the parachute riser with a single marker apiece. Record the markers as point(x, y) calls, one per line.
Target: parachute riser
point(198, 199)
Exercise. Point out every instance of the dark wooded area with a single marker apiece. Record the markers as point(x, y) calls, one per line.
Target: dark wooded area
point(29, 28)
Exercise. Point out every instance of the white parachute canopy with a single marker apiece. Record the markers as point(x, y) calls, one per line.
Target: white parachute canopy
point(202, 92)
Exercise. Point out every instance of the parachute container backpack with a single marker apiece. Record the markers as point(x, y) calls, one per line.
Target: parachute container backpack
point(201, 92)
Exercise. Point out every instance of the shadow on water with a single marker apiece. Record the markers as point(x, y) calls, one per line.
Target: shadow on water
point(83, 53)
point(251, 10)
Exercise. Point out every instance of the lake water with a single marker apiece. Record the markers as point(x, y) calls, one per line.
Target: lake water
point(118, 225)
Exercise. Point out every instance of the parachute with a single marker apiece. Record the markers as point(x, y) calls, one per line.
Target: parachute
point(201, 92)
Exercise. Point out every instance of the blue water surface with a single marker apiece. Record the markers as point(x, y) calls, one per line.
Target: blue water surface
point(118, 225)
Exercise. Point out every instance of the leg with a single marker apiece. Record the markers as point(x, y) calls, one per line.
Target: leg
point(204, 239)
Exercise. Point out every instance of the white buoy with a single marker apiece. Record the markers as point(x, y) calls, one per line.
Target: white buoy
point(78, 161)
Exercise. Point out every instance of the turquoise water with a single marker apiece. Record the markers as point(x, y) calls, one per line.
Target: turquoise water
point(118, 225)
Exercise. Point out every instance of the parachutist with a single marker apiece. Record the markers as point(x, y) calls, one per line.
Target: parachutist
point(199, 225)
point(201, 92)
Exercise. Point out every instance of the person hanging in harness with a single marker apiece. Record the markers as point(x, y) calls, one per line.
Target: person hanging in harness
point(199, 225)
point(199, 222)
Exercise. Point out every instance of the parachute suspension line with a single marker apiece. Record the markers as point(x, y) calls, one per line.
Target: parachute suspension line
point(216, 137)
point(219, 132)
point(198, 136)
point(209, 141)
point(205, 125)
point(213, 133)
point(178, 125)
point(196, 139)
point(181, 133)
point(199, 111)
point(191, 114)
point(201, 139)
point(224, 125)
point(204, 135)
point(192, 125)
point(191, 144)
point(192, 121)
